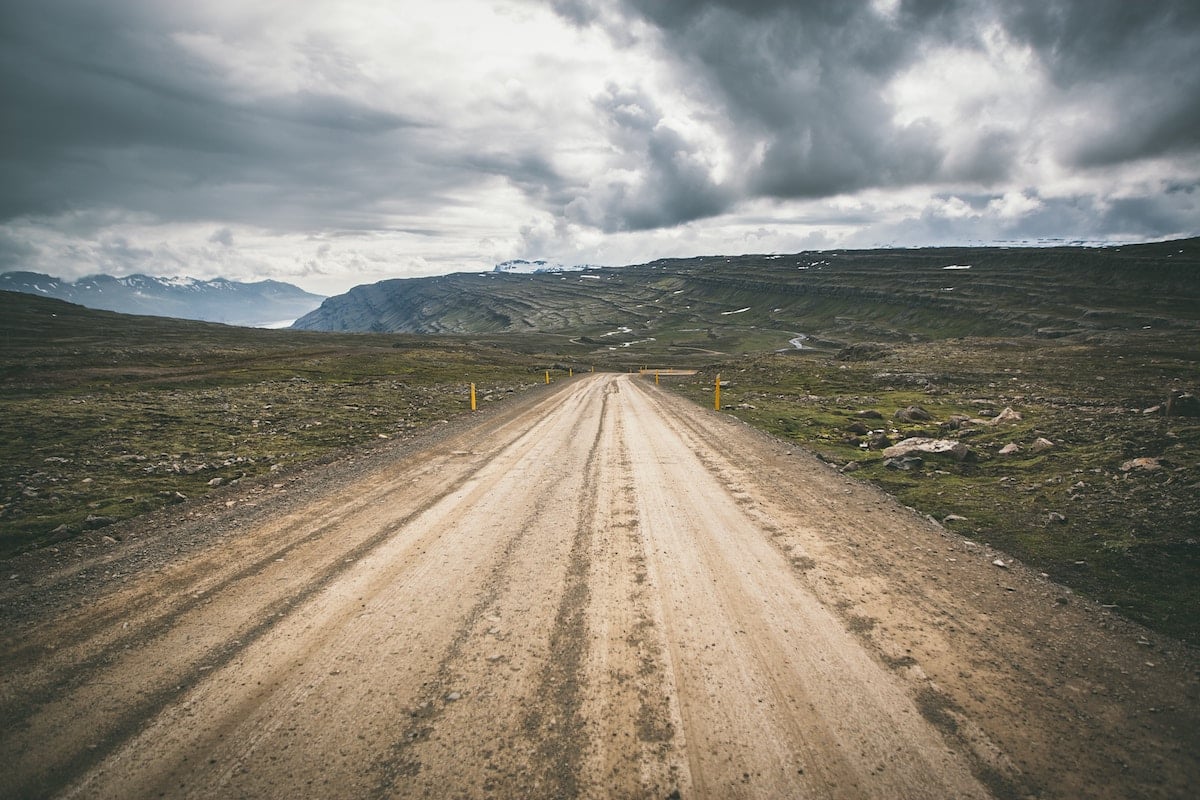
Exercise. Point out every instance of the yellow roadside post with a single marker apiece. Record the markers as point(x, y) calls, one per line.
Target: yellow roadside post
point(717, 393)
point(472, 397)
point(656, 377)
point(547, 376)
point(571, 372)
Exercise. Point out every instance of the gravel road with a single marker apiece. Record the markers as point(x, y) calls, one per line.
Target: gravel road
point(597, 590)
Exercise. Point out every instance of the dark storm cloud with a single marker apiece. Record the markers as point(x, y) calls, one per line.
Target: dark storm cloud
point(105, 109)
point(805, 80)
point(664, 179)
point(1141, 58)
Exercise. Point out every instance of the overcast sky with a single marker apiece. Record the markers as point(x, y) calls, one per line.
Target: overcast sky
point(336, 143)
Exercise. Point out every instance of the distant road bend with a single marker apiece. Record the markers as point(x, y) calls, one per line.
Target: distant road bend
point(598, 590)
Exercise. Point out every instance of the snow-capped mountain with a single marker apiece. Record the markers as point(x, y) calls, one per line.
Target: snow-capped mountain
point(521, 266)
point(259, 304)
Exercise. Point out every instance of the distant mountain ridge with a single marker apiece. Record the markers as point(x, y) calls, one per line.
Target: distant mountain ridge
point(258, 304)
point(726, 303)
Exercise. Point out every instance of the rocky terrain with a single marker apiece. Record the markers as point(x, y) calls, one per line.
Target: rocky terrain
point(1059, 379)
point(688, 308)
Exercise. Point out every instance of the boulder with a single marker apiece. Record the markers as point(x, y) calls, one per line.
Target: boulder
point(869, 413)
point(878, 441)
point(1010, 449)
point(1142, 465)
point(920, 444)
point(905, 464)
point(1041, 443)
point(957, 421)
point(913, 414)
point(1007, 415)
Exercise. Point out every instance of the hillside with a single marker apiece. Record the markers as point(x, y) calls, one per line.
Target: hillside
point(258, 304)
point(719, 305)
point(106, 416)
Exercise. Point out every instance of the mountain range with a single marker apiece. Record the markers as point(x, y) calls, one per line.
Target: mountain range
point(731, 304)
point(259, 304)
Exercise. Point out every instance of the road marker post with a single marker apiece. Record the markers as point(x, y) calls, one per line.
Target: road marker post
point(656, 377)
point(472, 397)
point(570, 372)
point(547, 376)
point(717, 393)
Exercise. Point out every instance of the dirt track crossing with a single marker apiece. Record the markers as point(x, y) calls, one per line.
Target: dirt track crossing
point(600, 591)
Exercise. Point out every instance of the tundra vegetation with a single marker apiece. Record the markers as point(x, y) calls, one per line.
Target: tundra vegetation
point(104, 416)
point(1066, 376)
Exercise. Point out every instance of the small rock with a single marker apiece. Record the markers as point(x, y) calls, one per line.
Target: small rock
point(1007, 415)
point(905, 464)
point(913, 414)
point(858, 428)
point(1010, 449)
point(1056, 518)
point(746, 406)
point(957, 421)
point(851, 466)
point(1041, 444)
point(869, 413)
point(1142, 465)
point(453, 697)
point(878, 441)
point(949, 518)
point(216, 482)
point(1183, 404)
point(1000, 563)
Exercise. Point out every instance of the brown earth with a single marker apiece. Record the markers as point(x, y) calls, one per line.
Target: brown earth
point(598, 590)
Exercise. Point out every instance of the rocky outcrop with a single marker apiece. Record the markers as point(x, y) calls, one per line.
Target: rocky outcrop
point(922, 445)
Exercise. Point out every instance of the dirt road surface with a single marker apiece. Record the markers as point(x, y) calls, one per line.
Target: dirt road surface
point(598, 590)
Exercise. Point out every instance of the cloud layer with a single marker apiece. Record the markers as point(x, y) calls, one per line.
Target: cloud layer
point(335, 144)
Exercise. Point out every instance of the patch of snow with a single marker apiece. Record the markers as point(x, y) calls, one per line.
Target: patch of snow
point(286, 323)
point(798, 341)
point(179, 281)
point(957, 266)
point(739, 311)
point(520, 266)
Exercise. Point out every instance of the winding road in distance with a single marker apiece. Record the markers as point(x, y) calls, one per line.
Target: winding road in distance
point(596, 590)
